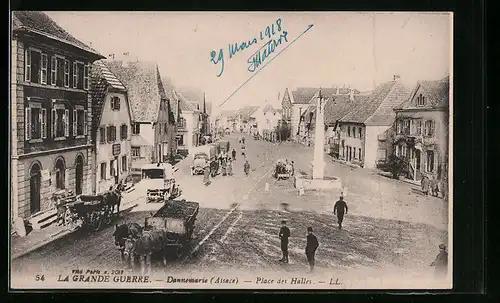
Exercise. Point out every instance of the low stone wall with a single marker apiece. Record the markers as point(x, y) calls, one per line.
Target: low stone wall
point(308, 183)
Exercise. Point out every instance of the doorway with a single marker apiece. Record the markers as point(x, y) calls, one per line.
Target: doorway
point(79, 175)
point(35, 184)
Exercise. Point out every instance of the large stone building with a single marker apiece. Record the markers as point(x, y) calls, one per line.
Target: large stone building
point(153, 125)
point(422, 128)
point(50, 113)
point(365, 132)
point(111, 128)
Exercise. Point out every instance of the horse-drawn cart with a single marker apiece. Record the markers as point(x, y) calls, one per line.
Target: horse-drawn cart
point(177, 218)
point(283, 170)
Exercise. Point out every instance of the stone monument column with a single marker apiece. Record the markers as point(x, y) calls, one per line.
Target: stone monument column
point(318, 162)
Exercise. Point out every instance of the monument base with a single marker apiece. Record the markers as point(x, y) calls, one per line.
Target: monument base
point(306, 183)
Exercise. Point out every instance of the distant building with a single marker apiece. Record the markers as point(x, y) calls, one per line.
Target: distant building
point(245, 119)
point(365, 132)
point(188, 126)
point(153, 135)
point(268, 120)
point(50, 113)
point(294, 104)
point(422, 126)
point(111, 128)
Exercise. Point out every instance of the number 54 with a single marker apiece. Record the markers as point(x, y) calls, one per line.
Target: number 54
point(40, 278)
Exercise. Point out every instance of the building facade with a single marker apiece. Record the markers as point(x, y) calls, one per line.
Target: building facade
point(111, 131)
point(294, 104)
point(50, 116)
point(366, 131)
point(188, 126)
point(422, 130)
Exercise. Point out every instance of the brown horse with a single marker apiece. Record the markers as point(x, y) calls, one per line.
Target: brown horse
point(113, 198)
point(151, 241)
point(124, 232)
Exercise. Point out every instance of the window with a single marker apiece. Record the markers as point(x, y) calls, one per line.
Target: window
point(359, 153)
point(136, 128)
point(430, 161)
point(60, 174)
point(381, 155)
point(354, 132)
point(124, 163)
point(79, 122)
point(399, 127)
point(60, 121)
point(406, 127)
point(102, 134)
point(36, 122)
point(103, 171)
point(45, 62)
point(111, 136)
point(359, 132)
point(66, 73)
point(420, 100)
point(166, 128)
point(348, 131)
point(136, 151)
point(429, 127)
point(115, 103)
point(181, 123)
point(123, 132)
point(419, 127)
point(35, 67)
point(180, 140)
point(53, 70)
point(112, 168)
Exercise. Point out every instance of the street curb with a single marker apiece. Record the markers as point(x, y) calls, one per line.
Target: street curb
point(59, 235)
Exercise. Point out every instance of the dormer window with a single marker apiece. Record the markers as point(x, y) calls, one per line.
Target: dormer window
point(115, 103)
point(420, 100)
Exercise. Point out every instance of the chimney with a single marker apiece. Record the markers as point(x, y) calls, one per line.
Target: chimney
point(111, 56)
point(351, 94)
point(397, 77)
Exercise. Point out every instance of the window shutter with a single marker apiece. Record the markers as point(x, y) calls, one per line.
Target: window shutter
point(27, 125)
point(74, 122)
point(86, 76)
point(53, 123)
point(53, 70)
point(44, 123)
point(85, 122)
point(433, 125)
point(66, 122)
point(118, 103)
point(27, 70)
point(426, 124)
point(66, 73)
point(75, 73)
point(43, 70)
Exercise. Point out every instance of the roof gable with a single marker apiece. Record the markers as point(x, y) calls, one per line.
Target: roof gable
point(302, 95)
point(433, 93)
point(145, 88)
point(41, 23)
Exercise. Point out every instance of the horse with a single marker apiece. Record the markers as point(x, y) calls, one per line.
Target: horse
point(123, 232)
point(151, 241)
point(113, 197)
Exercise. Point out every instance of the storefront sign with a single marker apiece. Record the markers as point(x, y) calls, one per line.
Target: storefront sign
point(116, 149)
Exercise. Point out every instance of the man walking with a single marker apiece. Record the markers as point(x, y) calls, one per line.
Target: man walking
point(338, 209)
point(246, 167)
point(311, 246)
point(441, 262)
point(234, 154)
point(284, 235)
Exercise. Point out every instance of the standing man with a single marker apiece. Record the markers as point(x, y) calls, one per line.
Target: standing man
point(234, 154)
point(311, 246)
point(284, 235)
point(246, 168)
point(338, 209)
point(441, 262)
point(206, 175)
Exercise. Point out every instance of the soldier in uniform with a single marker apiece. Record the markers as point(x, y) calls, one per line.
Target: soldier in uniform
point(338, 209)
point(441, 262)
point(284, 235)
point(311, 247)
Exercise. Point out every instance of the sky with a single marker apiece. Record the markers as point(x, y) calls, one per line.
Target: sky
point(359, 50)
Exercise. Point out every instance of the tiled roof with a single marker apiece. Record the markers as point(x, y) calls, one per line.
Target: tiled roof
point(40, 23)
point(340, 106)
point(246, 112)
point(192, 94)
point(144, 86)
point(436, 92)
point(227, 113)
point(184, 104)
point(378, 110)
point(302, 95)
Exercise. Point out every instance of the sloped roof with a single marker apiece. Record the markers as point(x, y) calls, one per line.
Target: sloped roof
point(436, 92)
point(227, 113)
point(378, 110)
point(40, 23)
point(302, 95)
point(340, 106)
point(192, 94)
point(145, 88)
point(270, 108)
point(184, 104)
point(101, 79)
point(246, 112)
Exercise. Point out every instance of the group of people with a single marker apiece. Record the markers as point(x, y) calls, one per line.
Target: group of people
point(225, 162)
point(430, 186)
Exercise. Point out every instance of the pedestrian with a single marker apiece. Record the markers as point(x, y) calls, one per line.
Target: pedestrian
point(441, 262)
point(425, 185)
point(234, 154)
point(284, 235)
point(338, 209)
point(293, 169)
point(311, 247)
point(434, 187)
point(246, 167)
point(206, 175)
point(229, 167)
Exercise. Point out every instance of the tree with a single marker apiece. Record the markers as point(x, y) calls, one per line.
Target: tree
point(397, 166)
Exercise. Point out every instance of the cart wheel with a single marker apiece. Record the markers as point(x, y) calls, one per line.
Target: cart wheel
point(107, 217)
point(96, 221)
point(68, 217)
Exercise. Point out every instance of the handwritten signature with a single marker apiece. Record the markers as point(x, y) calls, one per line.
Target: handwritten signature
point(234, 48)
